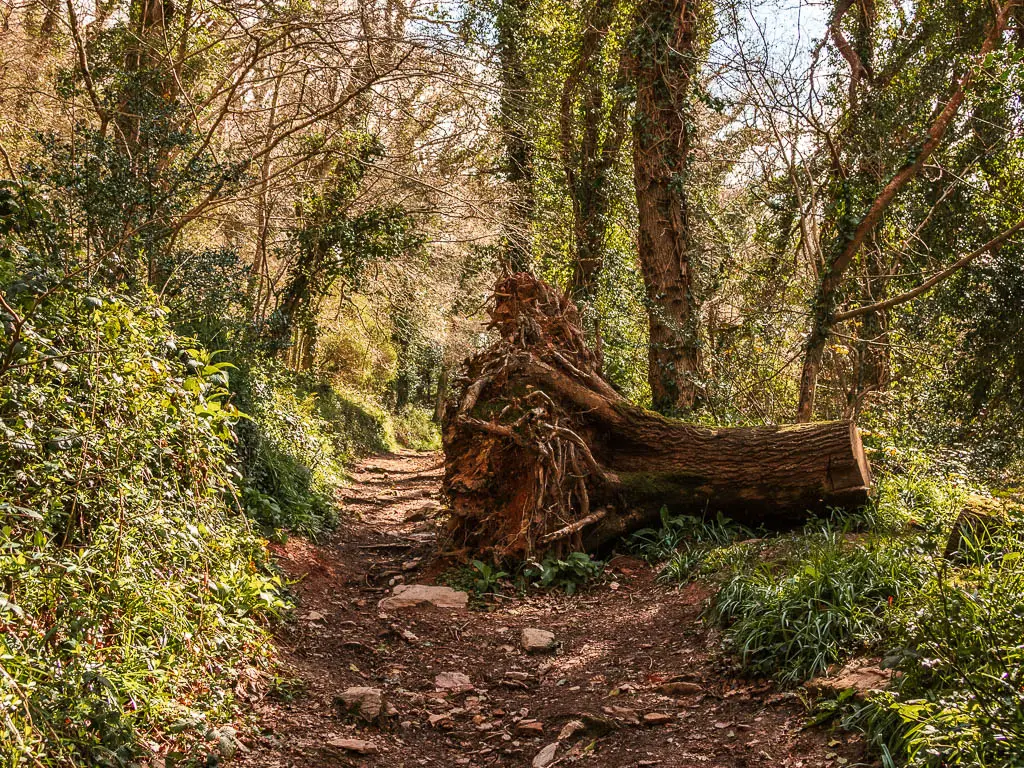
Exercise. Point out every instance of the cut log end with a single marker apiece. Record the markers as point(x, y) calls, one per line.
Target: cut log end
point(543, 454)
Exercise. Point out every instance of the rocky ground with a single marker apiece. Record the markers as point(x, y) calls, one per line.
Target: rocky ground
point(623, 674)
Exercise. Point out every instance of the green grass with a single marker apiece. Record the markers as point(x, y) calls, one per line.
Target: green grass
point(826, 601)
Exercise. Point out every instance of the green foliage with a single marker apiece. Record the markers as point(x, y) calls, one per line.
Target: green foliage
point(713, 561)
point(684, 532)
point(793, 605)
point(960, 698)
point(133, 591)
point(356, 350)
point(570, 573)
point(909, 495)
point(119, 185)
point(289, 464)
point(825, 600)
point(295, 443)
point(415, 428)
point(487, 577)
point(333, 242)
point(357, 425)
point(688, 547)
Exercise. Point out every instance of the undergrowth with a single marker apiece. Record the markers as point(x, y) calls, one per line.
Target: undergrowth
point(414, 428)
point(826, 600)
point(959, 699)
point(296, 439)
point(299, 435)
point(134, 592)
point(875, 583)
point(688, 546)
point(568, 573)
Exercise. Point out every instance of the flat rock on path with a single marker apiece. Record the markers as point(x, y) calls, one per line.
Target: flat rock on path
point(414, 595)
point(367, 703)
point(359, 746)
point(635, 651)
point(536, 640)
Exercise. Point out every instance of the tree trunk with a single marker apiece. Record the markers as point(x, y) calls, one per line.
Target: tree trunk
point(515, 119)
point(442, 394)
point(543, 454)
point(591, 142)
point(666, 59)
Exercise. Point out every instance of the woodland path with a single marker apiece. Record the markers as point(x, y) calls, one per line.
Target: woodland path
point(619, 642)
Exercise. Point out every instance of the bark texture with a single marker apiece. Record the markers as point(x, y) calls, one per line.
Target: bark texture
point(543, 454)
point(666, 60)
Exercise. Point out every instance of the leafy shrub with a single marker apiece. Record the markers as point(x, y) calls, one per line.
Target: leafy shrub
point(569, 574)
point(133, 591)
point(960, 699)
point(290, 466)
point(825, 601)
point(487, 577)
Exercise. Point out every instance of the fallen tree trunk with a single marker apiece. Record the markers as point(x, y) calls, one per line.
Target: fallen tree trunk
point(543, 454)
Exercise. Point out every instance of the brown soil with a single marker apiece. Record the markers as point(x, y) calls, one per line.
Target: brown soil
point(618, 642)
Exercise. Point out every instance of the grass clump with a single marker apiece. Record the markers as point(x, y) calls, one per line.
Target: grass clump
point(826, 601)
point(690, 546)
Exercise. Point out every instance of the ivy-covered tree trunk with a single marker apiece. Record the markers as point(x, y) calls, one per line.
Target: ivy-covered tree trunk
point(592, 124)
point(515, 122)
point(665, 64)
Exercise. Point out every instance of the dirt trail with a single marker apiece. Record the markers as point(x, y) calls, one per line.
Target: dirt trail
point(619, 642)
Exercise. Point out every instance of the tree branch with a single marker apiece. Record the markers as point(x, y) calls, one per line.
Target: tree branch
point(935, 279)
point(936, 133)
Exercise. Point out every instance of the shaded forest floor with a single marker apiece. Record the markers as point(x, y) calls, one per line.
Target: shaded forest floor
point(619, 643)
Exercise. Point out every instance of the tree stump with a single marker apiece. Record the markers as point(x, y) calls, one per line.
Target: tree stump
point(978, 529)
point(543, 454)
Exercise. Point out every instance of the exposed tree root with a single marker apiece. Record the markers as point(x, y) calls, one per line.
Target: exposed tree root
point(542, 454)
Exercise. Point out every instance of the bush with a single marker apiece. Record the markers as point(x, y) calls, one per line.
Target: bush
point(133, 591)
point(356, 424)
point(960, 699)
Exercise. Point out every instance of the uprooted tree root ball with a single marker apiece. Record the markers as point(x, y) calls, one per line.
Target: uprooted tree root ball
point(544, 455)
